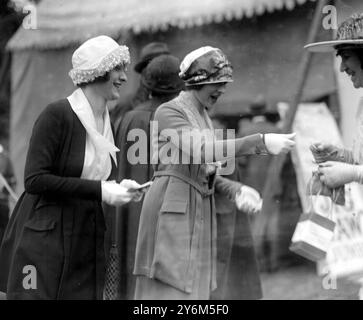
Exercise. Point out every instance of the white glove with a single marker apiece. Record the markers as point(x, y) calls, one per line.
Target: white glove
point(279, 143)
point(132, 184)
point(115, 194)
point(248, 200)
point(335, 174)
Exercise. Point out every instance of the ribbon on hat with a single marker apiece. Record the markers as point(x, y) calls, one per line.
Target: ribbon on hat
point(103, 144)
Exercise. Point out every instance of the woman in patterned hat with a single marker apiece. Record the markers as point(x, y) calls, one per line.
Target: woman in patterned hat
point(176, 245)
point(347, 165)
point(53, 247)
point(161, 79)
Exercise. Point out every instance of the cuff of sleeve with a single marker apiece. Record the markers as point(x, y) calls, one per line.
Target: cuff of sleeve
point(358, 173)
point(234, 189)
point(261, 146)
point(346, 156)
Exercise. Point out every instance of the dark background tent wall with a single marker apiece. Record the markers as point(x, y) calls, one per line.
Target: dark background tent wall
point(265, 51)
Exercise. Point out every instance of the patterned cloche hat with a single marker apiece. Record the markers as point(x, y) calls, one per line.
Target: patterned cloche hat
point(205, 65)
point(350, 33)
point(95, 57)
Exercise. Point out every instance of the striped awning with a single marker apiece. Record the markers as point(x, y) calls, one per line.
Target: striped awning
point(61, 23)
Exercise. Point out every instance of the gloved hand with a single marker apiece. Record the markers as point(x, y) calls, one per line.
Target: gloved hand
point(132, 184)
point(248, 200)
point(324, 150)
point(335, 174)
point(115, 194)
point(279, 143)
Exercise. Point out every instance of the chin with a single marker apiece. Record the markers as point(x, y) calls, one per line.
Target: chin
point(114, 96)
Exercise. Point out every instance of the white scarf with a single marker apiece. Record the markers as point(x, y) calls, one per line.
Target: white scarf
point(97, 163)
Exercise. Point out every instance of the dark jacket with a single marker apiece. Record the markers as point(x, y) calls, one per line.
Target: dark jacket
point(128, 215)
point(57, 225)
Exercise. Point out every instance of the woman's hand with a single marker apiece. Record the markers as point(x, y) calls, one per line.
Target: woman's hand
point(132, 187)
point(248, 200)
point(321, 150)
point(335, 174)
point(279, 143)
point(115, 194)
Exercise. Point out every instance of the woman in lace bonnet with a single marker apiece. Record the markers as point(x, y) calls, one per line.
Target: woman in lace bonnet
point(57, 228)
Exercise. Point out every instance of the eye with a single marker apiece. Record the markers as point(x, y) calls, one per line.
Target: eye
point(345, 56)
point(118, 68)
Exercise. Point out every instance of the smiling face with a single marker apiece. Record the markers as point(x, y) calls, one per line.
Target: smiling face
point(110, 89)
point(352, 66)
point(209, 93)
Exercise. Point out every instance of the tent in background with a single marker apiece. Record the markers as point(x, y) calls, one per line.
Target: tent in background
point(262, 38)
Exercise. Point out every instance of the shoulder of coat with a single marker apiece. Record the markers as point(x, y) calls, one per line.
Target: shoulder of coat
point(171, 106)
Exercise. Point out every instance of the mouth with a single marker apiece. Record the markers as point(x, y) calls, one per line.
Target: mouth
point(117, 85)
point(351, 74)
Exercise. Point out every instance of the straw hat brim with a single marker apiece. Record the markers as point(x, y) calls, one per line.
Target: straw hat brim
point(208, 82)
point(329, 46)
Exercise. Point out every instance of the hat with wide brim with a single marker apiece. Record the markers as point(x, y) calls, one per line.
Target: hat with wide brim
point(329, 46)
point(349, 35)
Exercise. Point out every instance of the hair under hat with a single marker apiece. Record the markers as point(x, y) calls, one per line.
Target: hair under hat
point(205, 65)
point(95, 57)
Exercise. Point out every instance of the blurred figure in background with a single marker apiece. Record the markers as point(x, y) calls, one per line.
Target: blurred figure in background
point(253, 172)
point(142, 94)
point(161, 80)
point(238, 275)
point(6, 202)
point(254, 168)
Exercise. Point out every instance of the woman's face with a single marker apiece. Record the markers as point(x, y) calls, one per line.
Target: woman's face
point(110, 89)
point(352, 66)
point(209, 93)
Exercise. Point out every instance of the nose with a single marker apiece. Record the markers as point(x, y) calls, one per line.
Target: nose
point(343, 66)
point(123, 76)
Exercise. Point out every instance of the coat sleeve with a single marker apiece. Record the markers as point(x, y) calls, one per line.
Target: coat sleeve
point(225, 193)
point(44, 148)
point(171, 120)
point(227, 187)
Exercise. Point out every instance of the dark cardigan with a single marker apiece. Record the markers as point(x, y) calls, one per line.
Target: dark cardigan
point(57, 225)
